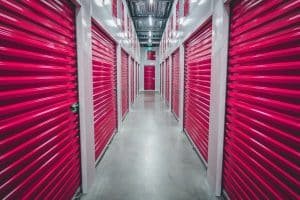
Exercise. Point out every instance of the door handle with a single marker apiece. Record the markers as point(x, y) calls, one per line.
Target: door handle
point(75, 107)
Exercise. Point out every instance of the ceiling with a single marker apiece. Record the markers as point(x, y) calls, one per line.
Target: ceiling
point(140, 11)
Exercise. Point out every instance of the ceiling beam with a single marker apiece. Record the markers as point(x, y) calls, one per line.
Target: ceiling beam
point(148, 29)
point(153, 40)
point(156, 34)
point(131, 1)
point(147, 17)
point(143, 30)
point(154, 45)
point(147, 37)
point(146, 42)
point(153, 31)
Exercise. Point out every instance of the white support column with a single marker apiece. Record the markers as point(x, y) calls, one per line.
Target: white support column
point(85, 87)
point(220, 27)
point(119, 83)
point(142, 77)
point(181, 85)
point(157, 76)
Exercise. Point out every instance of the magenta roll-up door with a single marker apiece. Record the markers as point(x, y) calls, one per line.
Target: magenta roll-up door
point(197, 87)
point(124, 81)
point(132, 81)
point(40, 151)
point(167, 82)
point(261, 149)
point(138, 79)
point(160, 80)
point(163, 80)
point(104, 88)
point(135, 80)
point(149, 77)
point(175, 83)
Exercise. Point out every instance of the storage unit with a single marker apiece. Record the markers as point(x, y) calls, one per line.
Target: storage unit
point(163, 80)
point(125, 83)
point(104, 88)
point(40, 152)
point(136, 79)
point(197, 87)
point(132, 81)
point(160, 78)
point(175, 83)
point(149, 77)
point(261, 149)
point(167, 82)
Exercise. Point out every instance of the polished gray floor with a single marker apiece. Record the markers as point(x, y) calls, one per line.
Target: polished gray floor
point(150, 158)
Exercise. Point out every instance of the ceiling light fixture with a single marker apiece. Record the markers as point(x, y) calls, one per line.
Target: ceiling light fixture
point(99, 3)
point(150, 20)
point(149, 40)
point(201, 2)
point(151, 1)
point(150, 33)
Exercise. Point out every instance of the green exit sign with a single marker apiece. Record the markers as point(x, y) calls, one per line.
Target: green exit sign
point(149, 48)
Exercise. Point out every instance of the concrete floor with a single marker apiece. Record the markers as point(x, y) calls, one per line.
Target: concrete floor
point(150, 158)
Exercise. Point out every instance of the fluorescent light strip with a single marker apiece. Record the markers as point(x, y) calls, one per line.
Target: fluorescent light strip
point(150, 20)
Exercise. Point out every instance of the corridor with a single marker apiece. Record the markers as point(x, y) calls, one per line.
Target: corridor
point(150, 158)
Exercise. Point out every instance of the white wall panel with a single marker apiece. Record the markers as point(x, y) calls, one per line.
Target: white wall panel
point(101, 11)
point(85, 86)
point(200, 11)
point(218, 94)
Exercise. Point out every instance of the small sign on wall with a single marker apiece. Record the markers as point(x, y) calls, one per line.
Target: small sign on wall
point(151, 55)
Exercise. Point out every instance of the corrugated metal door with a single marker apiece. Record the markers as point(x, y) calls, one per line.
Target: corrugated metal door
point(132, 81)
point(149, 77)
point(160, 80)
point(163, 79)
point(197, 87)
point(124, 89)
point(104, 88)
point(175, 83)
point(261, 155)
point(136, 79)
point(167, 81)
point(40, 151)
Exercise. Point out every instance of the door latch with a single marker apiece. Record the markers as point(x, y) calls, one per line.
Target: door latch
point(75, 107)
